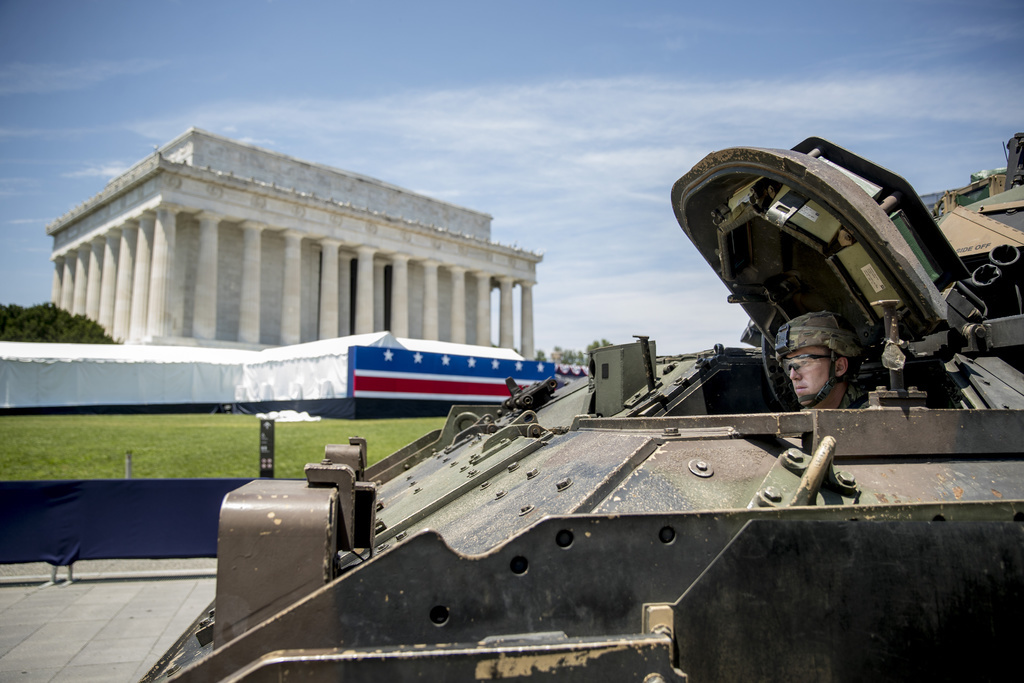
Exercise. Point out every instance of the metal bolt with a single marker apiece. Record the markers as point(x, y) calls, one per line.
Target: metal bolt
point(416, 490)
point(794, 457)
point(500, 494)
point(525, 510)
point(532, 473)
point(380, 505)
point(381, 526)
point(701, 468)
point(846, 479)
point(670, 431)
point(453, 463)
point(472, 473)
point(563, 484)
point(772, 494)
point(401, 535)
point(485, 485)
point(513, 467)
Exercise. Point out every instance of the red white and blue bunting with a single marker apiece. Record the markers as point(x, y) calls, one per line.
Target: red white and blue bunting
point(376, 372)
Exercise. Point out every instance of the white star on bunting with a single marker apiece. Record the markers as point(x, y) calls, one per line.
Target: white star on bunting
point(472, 362)
point(445, 359)
point(494, 364)
point(417, 357)
point(388, 355)
point(519, 366)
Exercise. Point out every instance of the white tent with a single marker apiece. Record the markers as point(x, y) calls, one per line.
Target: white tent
point(299, 372)
point(55, 375)
point(60, 376)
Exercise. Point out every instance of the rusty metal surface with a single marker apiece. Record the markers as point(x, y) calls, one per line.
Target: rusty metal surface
point(566, 574)
point(260, 524)
point(814, 601)
point(667, 481)
point(570, 474)
point(894, 433)
point(621, 658)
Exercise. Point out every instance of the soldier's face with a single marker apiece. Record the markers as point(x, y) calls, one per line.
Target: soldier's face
point(809, 373)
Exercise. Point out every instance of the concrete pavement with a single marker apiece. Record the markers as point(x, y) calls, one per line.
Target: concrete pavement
point(112, 623)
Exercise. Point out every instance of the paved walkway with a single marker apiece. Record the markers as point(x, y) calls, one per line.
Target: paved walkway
point(112, 623)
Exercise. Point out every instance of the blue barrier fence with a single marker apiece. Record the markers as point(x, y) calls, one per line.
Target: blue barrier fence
point(61, 522)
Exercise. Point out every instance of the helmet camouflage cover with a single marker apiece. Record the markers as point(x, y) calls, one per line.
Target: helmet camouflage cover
point(821, 328)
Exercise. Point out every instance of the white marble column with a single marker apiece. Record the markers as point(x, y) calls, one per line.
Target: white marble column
point(58, 275)
point(345, 294)
point(67, 285)
point(249, 305)
point(483, 309)
point(108, 281)
point(364, 290)
point(158, 315)
point(329, 288)
point(140, 280)
point(400, 295)
point(92, 291)
point(506, 335)
point(458, 333)
point(123, 288)
point(379, 290)
point(430, 309)
point(81, 278)
point(204, 305)
point(291, 302)
point(526, 320)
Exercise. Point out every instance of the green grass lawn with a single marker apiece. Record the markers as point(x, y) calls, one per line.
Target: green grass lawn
point(171, 446)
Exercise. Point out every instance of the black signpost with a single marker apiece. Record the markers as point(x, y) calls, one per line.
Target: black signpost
point(267, 449)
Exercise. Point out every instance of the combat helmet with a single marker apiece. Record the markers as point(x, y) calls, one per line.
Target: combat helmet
point(821, 328)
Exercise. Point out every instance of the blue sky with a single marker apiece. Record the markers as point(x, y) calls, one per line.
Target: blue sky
point(566, 121)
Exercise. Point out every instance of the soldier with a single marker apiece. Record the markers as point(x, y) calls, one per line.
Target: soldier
point(819, 351)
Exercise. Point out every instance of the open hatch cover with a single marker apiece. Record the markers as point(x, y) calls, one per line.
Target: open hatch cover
point(816, 228)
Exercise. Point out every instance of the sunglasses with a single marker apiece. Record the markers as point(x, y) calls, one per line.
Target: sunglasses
point(798, 362)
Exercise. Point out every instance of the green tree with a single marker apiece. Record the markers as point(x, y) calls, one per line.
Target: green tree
point(47, 323)
point(573, 356)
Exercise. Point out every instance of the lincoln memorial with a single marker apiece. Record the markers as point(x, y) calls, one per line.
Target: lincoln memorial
point(214, 242)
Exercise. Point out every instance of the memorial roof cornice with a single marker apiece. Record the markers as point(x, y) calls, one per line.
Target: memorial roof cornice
point(155, 164)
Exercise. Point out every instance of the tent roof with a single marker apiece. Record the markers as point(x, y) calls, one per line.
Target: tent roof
point(123, 353)
point(139, 353)
point(457, 349)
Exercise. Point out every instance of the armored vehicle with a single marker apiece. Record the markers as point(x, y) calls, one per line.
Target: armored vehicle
point(678, 517)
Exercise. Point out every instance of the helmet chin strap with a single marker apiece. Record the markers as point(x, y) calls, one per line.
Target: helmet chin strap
point(826, 388)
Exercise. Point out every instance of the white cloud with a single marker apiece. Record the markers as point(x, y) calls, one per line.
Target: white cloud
point(29, 221)
point(102, 170)
point(19, 77)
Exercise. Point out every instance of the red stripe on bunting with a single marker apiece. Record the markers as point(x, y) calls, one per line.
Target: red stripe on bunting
point(426, 386)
